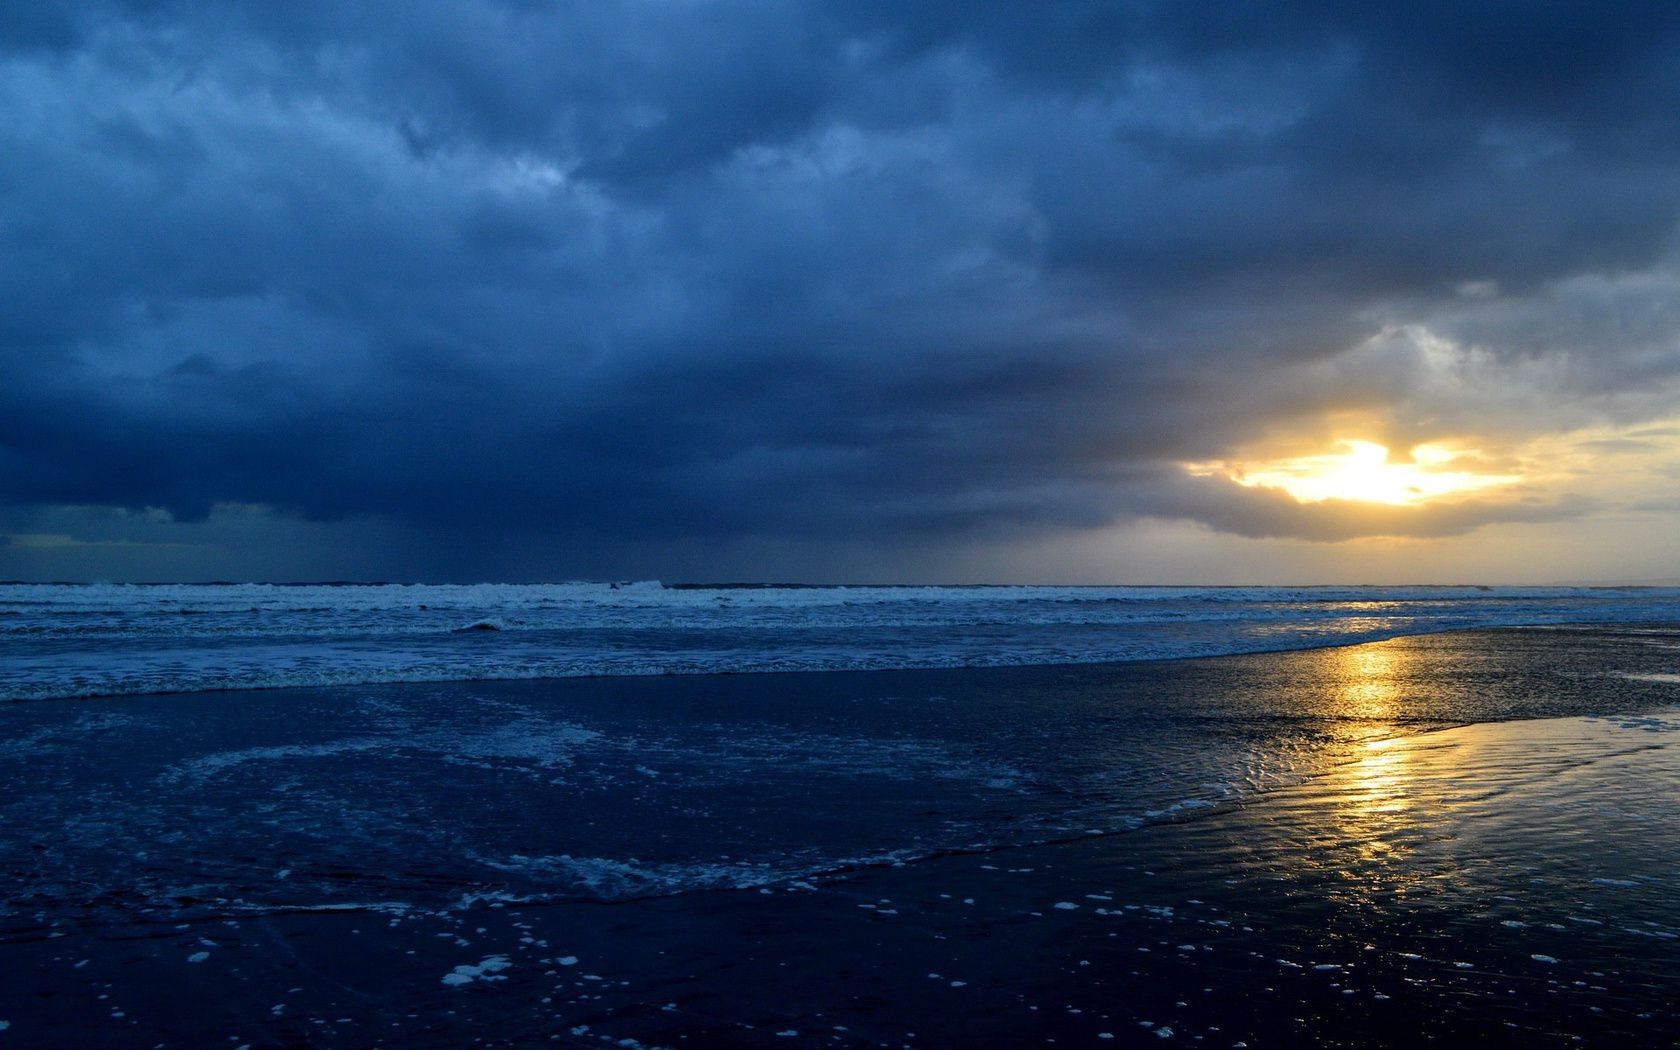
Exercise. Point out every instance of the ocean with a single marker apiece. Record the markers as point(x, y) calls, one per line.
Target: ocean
point(62, 641)
point(248, 812)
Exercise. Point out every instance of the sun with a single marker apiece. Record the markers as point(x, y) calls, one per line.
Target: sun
point(1364, 472)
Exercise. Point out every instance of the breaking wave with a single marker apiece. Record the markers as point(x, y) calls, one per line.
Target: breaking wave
point(61, 641)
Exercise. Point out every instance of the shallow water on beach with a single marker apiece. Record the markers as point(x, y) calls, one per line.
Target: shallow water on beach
point(453, 794)
point(1295, 849)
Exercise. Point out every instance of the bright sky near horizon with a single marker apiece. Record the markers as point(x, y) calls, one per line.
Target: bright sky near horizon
point(1149, 292)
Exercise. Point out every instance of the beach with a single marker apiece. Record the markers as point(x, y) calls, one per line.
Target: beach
point(739, 524)
point(1454, 836)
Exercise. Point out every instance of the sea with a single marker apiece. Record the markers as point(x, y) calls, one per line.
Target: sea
point(289, 815)
point(68, 641)
point(448, 744)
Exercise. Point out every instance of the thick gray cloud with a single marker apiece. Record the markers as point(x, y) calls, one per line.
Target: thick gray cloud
point(648, 271)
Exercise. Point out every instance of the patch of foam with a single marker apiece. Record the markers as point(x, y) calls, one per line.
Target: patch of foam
point(487, 969)
point(541, 744)
point(214, 764)
point(1178, 808)
point(606, 877)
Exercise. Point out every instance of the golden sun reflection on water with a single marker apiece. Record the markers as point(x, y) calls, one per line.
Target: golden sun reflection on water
point(1379, 779)
point(1368, 687)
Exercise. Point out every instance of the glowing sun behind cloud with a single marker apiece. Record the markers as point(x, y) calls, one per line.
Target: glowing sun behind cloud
point(1364, 472)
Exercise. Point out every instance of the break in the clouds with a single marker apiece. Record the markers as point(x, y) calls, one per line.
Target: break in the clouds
point(590, 280)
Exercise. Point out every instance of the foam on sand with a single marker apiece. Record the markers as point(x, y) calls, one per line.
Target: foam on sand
point(487, 969)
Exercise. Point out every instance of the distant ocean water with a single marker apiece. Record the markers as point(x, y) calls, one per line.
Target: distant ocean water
point(64, 641)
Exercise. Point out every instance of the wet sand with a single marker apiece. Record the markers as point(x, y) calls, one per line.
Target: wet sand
point(1512, 883)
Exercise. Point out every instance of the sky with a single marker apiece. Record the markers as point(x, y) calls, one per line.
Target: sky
point(850, 291)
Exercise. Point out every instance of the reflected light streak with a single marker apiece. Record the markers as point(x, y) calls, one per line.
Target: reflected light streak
point(1368, 688)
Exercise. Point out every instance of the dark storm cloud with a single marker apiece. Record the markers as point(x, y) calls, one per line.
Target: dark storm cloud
point(658, 270)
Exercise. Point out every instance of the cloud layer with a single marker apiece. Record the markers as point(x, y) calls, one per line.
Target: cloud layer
point(641, 272)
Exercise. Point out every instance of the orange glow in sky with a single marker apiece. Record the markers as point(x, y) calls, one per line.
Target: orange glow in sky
point(1364, 471)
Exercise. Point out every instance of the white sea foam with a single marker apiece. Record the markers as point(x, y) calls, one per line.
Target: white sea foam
point(489, 969)
point(541, 745)
point(609, 878)
point(98, 640)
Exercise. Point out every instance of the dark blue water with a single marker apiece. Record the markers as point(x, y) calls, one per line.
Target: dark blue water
point(452, 794)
